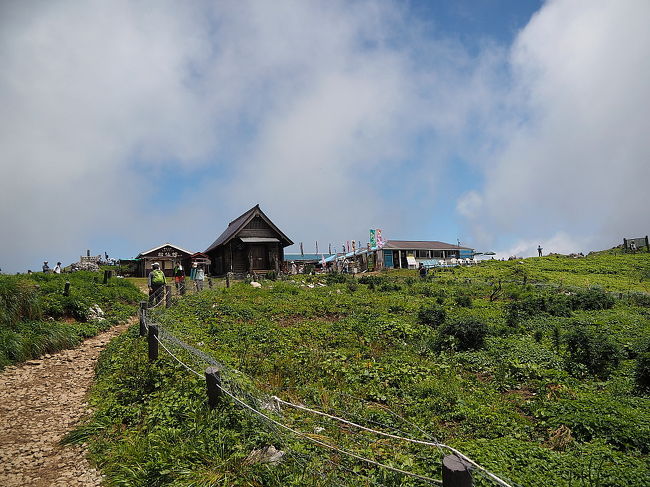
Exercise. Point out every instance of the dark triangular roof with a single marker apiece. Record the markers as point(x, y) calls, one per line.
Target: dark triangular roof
point(240, 222)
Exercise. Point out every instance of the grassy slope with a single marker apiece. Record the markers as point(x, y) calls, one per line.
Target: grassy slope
point(35, 317)
point(518, 405)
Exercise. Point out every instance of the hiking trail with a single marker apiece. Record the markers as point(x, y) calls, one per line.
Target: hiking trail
point(41, 401)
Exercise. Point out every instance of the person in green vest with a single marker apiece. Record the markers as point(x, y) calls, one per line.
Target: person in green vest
point(156, 283)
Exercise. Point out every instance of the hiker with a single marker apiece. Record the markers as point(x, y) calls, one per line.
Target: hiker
point(423, 271)
point(46, 268)
point(539, 249)
point(179, 278)
point(156, 283)
point(57, 269)
point(199, 277)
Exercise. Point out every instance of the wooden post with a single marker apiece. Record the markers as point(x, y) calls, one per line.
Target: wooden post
point(66, 289)
point(152, 340)
point(110, 274)
point(213, 381)
point(168, 296)
point(143, 327)
point(455, 472)
point(227, 279)
point(105, 277)
point(647, 244)
point(210, 282)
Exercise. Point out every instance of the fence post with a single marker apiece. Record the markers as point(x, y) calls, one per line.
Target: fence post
point(213, 381)
point(105, 277)
point(143, 327)
point(455, 472)
point(66, 289)
point(152, 340)
point(168, 296)
point(227, 279)
point(210, 282)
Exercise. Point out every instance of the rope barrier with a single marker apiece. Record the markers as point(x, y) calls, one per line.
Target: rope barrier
point(396, 437)
point(327, 445)
point(165, 335)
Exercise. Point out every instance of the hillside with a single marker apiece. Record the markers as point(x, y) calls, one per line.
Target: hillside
point(524, 366)
point(37, 317)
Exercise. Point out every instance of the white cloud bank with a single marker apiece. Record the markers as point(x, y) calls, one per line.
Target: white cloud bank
point(305, 107)
point(576, 169)
point(334, 116)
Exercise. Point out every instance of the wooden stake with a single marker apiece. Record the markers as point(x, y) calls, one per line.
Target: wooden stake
point(213, 381)
point(66, 289)
point(143, 328)
point(455, 472)
point(168, 296)
point(152, 340)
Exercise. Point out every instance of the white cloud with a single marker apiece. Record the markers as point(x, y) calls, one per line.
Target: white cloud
point(578, 162)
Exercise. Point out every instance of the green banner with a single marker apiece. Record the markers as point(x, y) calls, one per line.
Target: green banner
point(373, 238)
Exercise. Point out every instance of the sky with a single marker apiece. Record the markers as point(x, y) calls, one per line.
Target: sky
point(504, 124)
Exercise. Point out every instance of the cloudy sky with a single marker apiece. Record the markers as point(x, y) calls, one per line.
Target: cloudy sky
point(504, 123)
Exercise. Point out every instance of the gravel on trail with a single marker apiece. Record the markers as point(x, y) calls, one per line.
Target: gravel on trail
point(40, 401)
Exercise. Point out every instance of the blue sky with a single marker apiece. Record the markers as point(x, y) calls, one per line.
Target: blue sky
point(505, 124)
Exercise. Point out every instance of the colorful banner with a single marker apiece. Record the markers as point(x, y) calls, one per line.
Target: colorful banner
point(380, 239)
point(373, 239)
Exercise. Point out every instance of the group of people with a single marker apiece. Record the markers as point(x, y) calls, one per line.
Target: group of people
point(47, 270)
point(156, 280)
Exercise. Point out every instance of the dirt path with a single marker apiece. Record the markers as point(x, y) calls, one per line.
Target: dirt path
point(40, 401)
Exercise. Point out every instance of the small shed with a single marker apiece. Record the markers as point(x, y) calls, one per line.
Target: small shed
point(167, 255)
point(252, 243)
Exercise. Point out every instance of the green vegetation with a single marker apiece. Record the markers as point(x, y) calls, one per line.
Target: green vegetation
point(543, 382)
point(36, 318)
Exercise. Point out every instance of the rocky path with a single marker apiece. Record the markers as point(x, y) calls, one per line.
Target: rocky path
point(40, 401)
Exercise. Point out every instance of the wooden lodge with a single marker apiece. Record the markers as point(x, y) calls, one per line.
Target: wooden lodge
point(251, 244)
point(167, 255)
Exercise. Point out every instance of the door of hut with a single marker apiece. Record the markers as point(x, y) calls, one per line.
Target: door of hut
point(260, 257)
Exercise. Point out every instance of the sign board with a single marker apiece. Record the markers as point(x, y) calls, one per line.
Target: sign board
point(373, 238)
point(635, 243)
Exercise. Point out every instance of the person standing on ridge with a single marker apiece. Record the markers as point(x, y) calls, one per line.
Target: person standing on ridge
point(179, 278)
point(46, 268)
point(199, 277)
point(156, 283)
point(539, 249)
point(57, 269)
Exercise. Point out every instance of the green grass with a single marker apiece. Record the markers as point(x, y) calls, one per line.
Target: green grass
point(36, 318)
point(520, 404)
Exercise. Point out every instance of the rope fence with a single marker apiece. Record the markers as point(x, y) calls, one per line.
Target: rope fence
point(225, 382)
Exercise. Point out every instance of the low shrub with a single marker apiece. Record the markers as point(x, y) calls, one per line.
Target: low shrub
point(462, 334)
point(597, 352)
point(642, 370)
point(335, 278)
point(432, 315)
point(463, 300)
point(591, 299)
